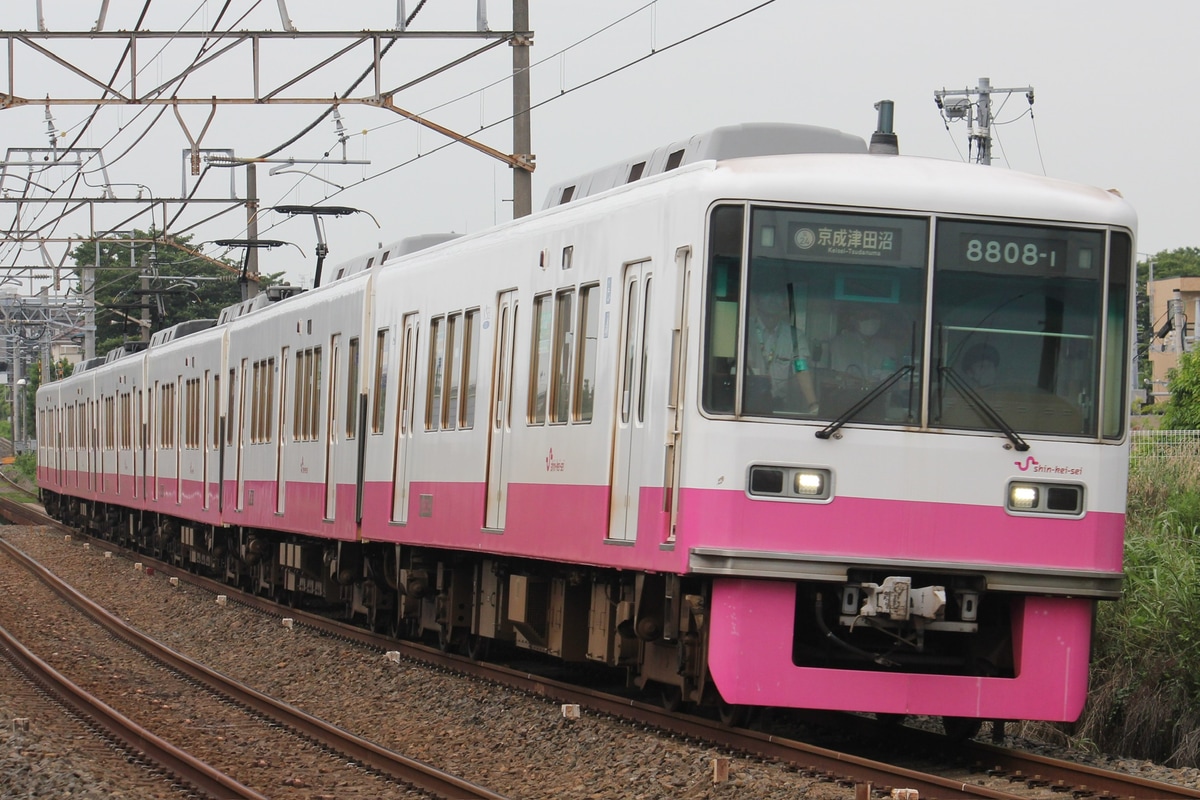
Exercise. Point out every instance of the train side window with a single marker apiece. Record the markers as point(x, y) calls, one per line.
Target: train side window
point(539, 362)
point(314, 410)
point(722, 292)
point(216, 409)
point(381, 382)
point(307, 403)
point(585, 357)
point(564, 348)
point(125, 421)
point(451, 369)
point(229, 407)
point(167, 418)
point(255, 402)
point(433, 396)
point(470, 361)
point(269, 406)
point(298, 412)
point(352, 389)
point(1117, 342)
point(109, 427)
point(191, 395)
point(263, 402)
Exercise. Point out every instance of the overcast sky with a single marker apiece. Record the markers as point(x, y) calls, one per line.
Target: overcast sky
point(1112, 106)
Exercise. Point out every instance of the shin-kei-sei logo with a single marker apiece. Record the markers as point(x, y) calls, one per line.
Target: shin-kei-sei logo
point(554, 466)
point(1031, 464)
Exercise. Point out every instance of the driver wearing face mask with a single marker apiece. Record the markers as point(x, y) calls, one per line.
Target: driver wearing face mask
point(860, 353)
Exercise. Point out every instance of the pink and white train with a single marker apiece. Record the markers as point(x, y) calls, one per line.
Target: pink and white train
point(574, 433)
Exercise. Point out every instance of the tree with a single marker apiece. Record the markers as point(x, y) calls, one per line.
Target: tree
point(181, 284)
point(1183, 382)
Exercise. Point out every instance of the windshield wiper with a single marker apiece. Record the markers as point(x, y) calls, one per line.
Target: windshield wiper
point(993, 416)
point(867, 399)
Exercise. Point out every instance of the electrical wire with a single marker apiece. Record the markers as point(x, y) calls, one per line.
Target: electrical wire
point(98, 151)
point(178, 82)
point(566, 92)
point(346, 93)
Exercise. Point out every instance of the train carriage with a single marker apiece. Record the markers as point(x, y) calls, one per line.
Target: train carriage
point(180, 466)
point(762, 417)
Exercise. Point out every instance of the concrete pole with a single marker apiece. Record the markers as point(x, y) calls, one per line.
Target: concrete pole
point(250, 287)
point(522, 140)
point(984, 121)
point(88, 288)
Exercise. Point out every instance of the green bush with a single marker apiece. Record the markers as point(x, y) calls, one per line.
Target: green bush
point(26, 464)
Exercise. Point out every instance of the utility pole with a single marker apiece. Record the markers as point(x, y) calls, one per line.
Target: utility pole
point(975, 107)
point(250, 284)
point(522, 141)
point(1178, 322)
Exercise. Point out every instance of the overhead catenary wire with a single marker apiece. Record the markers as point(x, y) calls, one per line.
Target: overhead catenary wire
point(562, 93)
point(87, 122)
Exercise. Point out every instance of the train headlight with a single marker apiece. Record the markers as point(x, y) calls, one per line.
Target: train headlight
point(1022, 496)
point(810, 483)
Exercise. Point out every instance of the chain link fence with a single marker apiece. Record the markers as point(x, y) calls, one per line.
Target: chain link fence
point(1148, 447)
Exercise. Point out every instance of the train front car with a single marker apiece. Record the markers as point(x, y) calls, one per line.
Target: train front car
point(907, 473)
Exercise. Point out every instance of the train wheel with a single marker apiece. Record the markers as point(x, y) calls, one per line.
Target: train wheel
point(450, 640)
point(477, 647)
point(732, 715)
point(961, 728)
point(671, 697)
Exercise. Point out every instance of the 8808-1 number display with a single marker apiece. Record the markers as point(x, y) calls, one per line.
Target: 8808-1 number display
point(1013, 251)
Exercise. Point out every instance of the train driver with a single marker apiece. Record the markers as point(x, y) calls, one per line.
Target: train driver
point(863, 353)
point(778, 351)
point(980, 364)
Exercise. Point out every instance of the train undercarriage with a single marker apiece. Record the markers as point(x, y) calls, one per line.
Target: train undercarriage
point(652, 626)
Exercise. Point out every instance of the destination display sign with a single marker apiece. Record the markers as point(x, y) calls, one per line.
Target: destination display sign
point(832, 237)
point(858, 241)
point(1022, 250)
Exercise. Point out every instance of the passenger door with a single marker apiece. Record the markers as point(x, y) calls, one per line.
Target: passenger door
point(500, 414)
point(331, 438)
point(404, 417)
point(630, 448)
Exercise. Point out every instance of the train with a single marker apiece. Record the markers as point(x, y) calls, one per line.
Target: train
point(570, 435)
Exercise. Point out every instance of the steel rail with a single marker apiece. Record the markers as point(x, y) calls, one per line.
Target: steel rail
point(179, 763)
point(364, 751)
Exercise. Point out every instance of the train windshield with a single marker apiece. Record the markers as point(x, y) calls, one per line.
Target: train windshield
point(1018, 321)
point(821, 315)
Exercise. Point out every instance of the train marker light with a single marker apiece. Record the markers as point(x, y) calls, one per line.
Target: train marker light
point(1046, 498)
point(797, 483)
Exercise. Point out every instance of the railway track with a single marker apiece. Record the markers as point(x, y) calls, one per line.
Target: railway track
point(402, 773)
point(997, 772)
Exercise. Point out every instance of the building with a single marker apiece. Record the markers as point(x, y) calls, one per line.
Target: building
point(1174, 309)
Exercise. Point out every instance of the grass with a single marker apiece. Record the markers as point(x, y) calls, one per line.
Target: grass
point(1144, 698)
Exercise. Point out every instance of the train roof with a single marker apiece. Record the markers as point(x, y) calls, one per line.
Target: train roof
point(409, 244)
point(180, 330)
point(272, 294)
point(730, 141)
point(922, 184)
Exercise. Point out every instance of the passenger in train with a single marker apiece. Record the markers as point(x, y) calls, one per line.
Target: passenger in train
point(863, 352)
point(980, 364)
point(778, 351)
